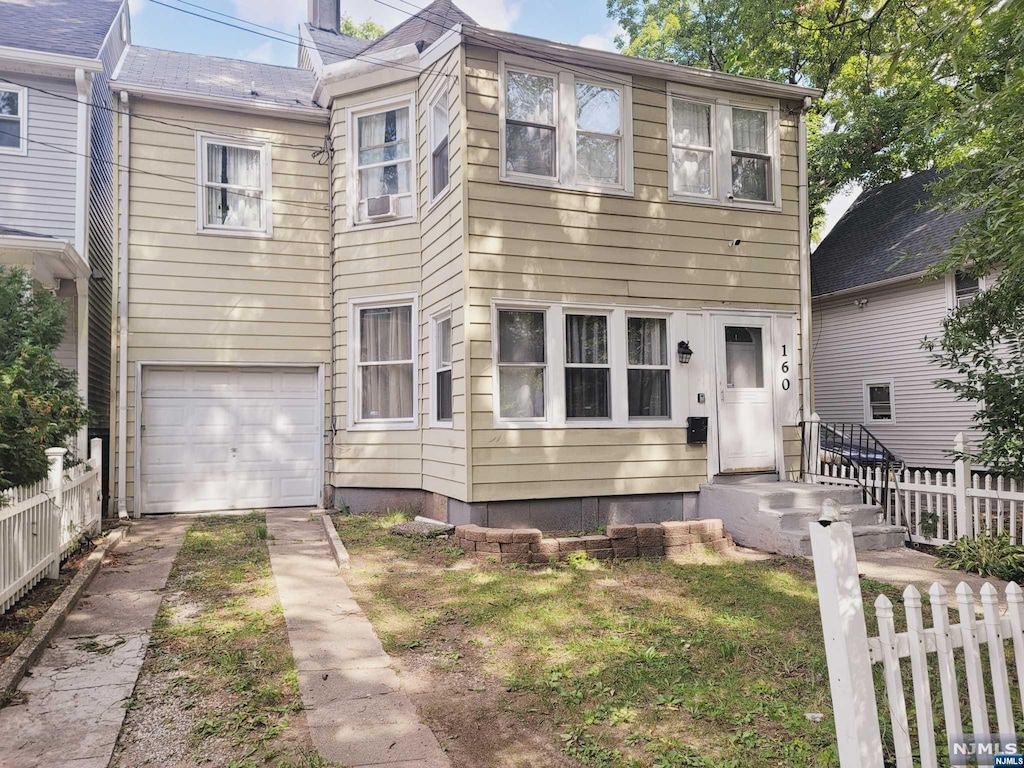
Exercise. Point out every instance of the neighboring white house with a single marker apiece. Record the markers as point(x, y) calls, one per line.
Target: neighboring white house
point(872, 307)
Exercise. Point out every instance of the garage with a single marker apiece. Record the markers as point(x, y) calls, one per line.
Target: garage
point(220, 438)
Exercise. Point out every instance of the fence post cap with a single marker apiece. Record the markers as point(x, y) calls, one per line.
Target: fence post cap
point(936, 590)
point(814, 417)
point(1013, 591)
point(911, 595)
point(52, 452)
point(964, 589)
point(989, 591)
point(883, 604)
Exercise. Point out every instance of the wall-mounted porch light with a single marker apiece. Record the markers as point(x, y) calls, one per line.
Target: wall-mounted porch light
point(685, 353)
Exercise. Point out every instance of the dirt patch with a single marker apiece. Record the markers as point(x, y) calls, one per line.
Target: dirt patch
point(17, 623)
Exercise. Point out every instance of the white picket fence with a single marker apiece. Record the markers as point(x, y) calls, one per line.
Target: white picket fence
point(41, 523)
point(953, 650)
point(938, 506)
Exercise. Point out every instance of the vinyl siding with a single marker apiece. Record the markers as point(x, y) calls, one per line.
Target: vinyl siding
point(882, 341)
point(423, 258)
point(67, 351)
point(215, 299)
point(38, 189)
point(551, 245)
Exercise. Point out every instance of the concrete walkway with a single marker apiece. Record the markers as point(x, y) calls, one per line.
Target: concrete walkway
point(909, 566)
point(357, 712)
point(75, 695)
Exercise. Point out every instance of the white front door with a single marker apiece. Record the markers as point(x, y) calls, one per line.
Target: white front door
point(743, 372)
point(219, 437)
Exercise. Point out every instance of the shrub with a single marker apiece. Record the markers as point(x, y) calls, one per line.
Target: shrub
point(39, 403)
point(988, 556)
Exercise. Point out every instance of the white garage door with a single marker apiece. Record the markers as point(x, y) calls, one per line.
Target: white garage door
point(230, 438)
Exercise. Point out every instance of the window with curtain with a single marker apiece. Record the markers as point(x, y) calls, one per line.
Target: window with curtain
point(598, 134)
point(235, 181)
point(439, 174)
point(647, 369)
point(385, 364)
point(587, 370)
point(693, 154)
point(751, 159)
point(530, 123)
point(522, 361)
point(384, 159)
point(443, 369)
point(12, 120)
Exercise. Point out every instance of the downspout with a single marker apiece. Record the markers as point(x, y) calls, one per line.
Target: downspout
point(122, 317)
point(329, 459)
point(806, 392)
point(83, 84)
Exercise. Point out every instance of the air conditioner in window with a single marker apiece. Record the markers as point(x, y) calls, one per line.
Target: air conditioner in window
point(383, 207)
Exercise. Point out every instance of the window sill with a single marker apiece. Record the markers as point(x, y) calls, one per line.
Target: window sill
point(647, 424)
point(556, 185)
point(441, 425)
point(249, 234)
point(380, 426)
point(437, 200)
point(397, 221)
point(745, 205)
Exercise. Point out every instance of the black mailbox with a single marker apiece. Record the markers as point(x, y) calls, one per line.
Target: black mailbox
point(697, 430)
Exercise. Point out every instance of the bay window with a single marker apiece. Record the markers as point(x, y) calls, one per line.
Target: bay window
point(235, 180)
point(383, 381)
point(382, 178)
point(561, 129)
point(722, 151)
point(13, 123)
point(648, 372)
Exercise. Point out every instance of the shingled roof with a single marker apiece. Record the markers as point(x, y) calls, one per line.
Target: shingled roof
point(888, 232)
point(214, 76)
point(67, 27)
point(426, 26)
point(333, 46)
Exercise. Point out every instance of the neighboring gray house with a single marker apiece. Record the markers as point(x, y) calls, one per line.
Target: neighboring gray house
point(871, 309)
point(56, 172)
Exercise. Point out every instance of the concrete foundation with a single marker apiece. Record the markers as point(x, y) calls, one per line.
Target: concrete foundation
point(571, 514)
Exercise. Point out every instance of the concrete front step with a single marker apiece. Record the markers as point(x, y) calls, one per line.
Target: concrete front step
point(855, 514)
point(746, 478)
point(866, 538)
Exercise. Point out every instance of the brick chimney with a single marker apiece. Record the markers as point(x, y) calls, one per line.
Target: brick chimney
point(324, 14)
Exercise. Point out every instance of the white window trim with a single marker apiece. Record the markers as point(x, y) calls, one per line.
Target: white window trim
point(355, 423)
point(721, 131)
point(554, 371)
point(565, 126)
point(22, 148)
point(432, 141)
point(436, 367)
point(266, 165)
point(866, 384)
point(951, 305)
point(352, 156)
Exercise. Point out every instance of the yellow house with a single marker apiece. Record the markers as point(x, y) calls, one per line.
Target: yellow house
point(481, 276)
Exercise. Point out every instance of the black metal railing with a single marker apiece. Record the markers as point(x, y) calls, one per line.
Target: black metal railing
point(848, 444)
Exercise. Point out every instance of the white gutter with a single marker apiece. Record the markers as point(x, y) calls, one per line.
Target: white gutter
point(245, 106)
point(872, 285)
point(20, 57)
point(353, 75)
point(806, 392)
point(83, 82)
point(122, 316)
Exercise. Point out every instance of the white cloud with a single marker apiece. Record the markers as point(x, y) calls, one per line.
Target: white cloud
point(495, 14)
point(286, 14)
point(135, 7)
point(603, 40)
point(263, 53)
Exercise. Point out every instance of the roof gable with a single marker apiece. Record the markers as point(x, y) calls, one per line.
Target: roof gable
point(66, 27)
point(426, 26)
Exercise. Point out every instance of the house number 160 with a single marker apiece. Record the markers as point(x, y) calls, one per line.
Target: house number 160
point(785, 369)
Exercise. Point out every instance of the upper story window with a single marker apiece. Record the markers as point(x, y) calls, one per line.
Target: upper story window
point(235, 176)
point(13, 120)
point(559, 128)
point(722, 152)
point(965, 288)
point(439, 123)
point(382, 179)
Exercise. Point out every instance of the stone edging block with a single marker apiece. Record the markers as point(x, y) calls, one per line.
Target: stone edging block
point(32, 647)
point(338, 550)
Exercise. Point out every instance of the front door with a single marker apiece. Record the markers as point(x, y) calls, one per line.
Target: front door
point(746, 423)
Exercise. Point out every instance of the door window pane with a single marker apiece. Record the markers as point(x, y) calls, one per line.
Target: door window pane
point(744, 357)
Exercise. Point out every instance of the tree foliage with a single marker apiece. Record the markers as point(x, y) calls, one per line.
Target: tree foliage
point(887, 93)
point(982, 343)
point(366, 30)
point(39, 403)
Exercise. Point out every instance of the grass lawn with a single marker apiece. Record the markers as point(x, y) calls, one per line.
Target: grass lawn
point(642, 663)
point(219, 685)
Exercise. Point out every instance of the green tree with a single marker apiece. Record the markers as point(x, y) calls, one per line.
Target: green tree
point(982, 343)
point(367, 30)
point(39, 403)
point(886, 92)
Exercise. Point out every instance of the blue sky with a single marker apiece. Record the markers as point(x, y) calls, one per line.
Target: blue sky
point(581, 22)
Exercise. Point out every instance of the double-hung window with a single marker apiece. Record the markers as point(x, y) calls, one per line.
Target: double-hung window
point(13, 123)
point(384, 372)
point(522, 364)
point(439, 173)
point(724, 152)
point(382, 185)
point(560, 128)
point(878, 402)
point(963, 289)
point(441, 364)
point(235, 180)
point(588, 373)
point(648, 374)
